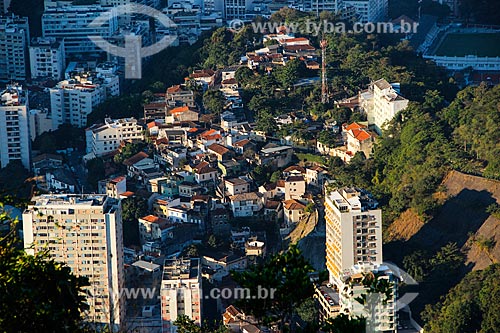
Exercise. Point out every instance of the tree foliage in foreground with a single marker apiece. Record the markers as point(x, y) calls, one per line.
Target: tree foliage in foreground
point(283, 273)
point(37, 294)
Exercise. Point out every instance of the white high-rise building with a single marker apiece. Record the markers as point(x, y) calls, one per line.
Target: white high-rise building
point(353, 232)
point(73, 99)
point(47, 58)
point(381, 102)
point(71, 23)
point(84, 232)
point(379, 309)
point(15, 139)
point(368, 10)
point(106, 138)
point(14, 37)
point(181, 292)
point(317, 6)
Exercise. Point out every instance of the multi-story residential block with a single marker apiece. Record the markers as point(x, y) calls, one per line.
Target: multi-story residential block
point(72, 23)
point(84, 232)
point(276, 157)
point(106, 138)
point(14, 39)
point(246, 204)
point(153, 228)
point(316, 175)
point(236, 186)
point(179, 95)
point(295, 187)
point(293, 210)
point(353, 231)
point(15, 139)
point(47, 58)
point(73, 99)
point(379, 309)
point(382, 102)
point(181, 292)
point(368, 10)
point(317, 6)
point(113, 187)
point(155, 111)
point(40, 122)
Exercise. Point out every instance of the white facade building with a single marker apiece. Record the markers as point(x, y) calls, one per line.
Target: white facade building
point(73, 99)
point(379, 309)
point(40, 122)
point(181, 292)
point(368, 10)
point(15, 143)
point(381, 103)
point(353, 232)
point(14, 38)
point(84, 232)
point(47, 58)
point(105, 138)
point(72, 24)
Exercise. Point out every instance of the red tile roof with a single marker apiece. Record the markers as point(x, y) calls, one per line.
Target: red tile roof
point(136, 158)
point(241, 143)
point(293, 204)
point(174, 89)
point(218, 149)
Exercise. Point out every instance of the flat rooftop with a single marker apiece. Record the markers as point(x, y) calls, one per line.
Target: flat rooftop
point(183, 268)
point(463, 44)
point(48, 200)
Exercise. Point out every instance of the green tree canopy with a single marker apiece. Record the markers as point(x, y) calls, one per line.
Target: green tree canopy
point(37, 294)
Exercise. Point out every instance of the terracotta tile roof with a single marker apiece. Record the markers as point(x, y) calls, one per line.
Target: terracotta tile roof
point(118, 179)
point(299, 48)
point(245, 196)
point(293, 204)
point(161, 141)
point(295, 178)
point(203, 167)
point(174, 89)
point(150, 218)
point(152, 124)
point(182, 109)
point(230, 81)
point(236, 181)
point(361, 135)
point(202, 73)
point(291, 40)
point(136, 158)
point(218, 149)
point(280, 183)
point(127, 194)
point(241, 143)
point(354, 126)
point(295, 168)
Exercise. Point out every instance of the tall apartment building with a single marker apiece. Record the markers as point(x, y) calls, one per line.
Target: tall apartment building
point(47, 58)
point(15, 142)
point(317, 6)
point(353, 231)
point(73, 99)
point(14, 38)
point(368, 10)
point(381, 102)
point(105, 138)
point(72, 24)
point(380, 310)
point(181, 291)
point(84, 232)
